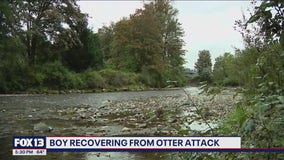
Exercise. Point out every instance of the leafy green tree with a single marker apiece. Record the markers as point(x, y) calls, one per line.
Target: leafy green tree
point(14, 72)
point(204, 65)
point(149, 50)
point(85, 55)
point(13, 68)
point(269, 16)
point(245, 66)
point(46, 21)
point(9, 23)
point(172, 42)
point(136, 44)
point(264, 26)
point(123, 48)
point(105, 35)
point(154, 49)
point(171, 32)
point(224, 72)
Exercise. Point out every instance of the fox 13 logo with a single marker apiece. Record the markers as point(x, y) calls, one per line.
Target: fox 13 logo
point(29, 142)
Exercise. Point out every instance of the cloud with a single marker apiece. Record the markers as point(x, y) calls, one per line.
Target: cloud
point(103, 12)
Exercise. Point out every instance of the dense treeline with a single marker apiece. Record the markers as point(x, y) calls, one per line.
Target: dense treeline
point(259, 71)
point(48, 45)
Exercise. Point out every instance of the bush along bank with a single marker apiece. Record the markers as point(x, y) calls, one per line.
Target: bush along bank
point(54, 78)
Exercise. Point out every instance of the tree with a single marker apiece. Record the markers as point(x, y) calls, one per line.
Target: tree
point(123, 48)
point(85, 55)
point(172, 42)
point(269, 16)
point(105, 35)
point(154, 49)
point(171, 32)
point(204, 65)
point(9, 23)
point(224, 72)
point(264, 26)
point(13, 67)
point(46, 21)
point(136, 44)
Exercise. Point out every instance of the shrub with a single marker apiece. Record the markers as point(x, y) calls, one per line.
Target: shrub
point(175, 74)
point(152, 78)
point(118, 78)
point(55, 75)
point(93, 79)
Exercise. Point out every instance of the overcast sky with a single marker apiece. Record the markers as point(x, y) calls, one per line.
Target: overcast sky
point(207, 24)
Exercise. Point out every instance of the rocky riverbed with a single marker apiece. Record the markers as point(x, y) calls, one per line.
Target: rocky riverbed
point(166, 115)
point(175, 115)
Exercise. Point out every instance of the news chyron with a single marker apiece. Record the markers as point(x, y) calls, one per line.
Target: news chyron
point(40, 145)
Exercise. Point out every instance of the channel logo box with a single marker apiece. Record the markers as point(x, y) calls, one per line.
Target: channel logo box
point(29, 145)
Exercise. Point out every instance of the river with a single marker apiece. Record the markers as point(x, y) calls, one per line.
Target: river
point(21, 112)
point(143, 113)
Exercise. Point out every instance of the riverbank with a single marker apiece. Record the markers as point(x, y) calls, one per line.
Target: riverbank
point(103, 90)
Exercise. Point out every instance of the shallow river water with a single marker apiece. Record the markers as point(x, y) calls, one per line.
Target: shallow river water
point(20, 113)
point(143, 113)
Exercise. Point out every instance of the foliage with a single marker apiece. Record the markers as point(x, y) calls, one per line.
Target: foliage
point(43, 21)
point(93, 79)
point(146, 49)
point(269, 16)
point(43, 44)
point(123, 55)
point(56, 76)
point(115, 78)
point(151, 77)
point(259, 70)
point(235, 119)
point(245, 66)
point(86, 55)
point(224, 72)
point(204, 65)
point(258, 119)
point(14, 71)
point(105, 35)
point(267, 102)
point(175, 74)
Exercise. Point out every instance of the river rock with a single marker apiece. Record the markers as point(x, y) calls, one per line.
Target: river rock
point(132, 119)
point(42, 127)
point(165, 132)
point(172, 120)
point(83, 116)
point(143, 125)
point(125, 129)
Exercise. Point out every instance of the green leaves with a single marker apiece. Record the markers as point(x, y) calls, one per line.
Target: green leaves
point(253, 19)
point(269, 17)
point(153, 50)
point(281, 99)
point(249, 125)
point(204, 65)
point(225, 70)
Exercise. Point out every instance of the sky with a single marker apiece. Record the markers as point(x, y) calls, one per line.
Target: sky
point(208, 25)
